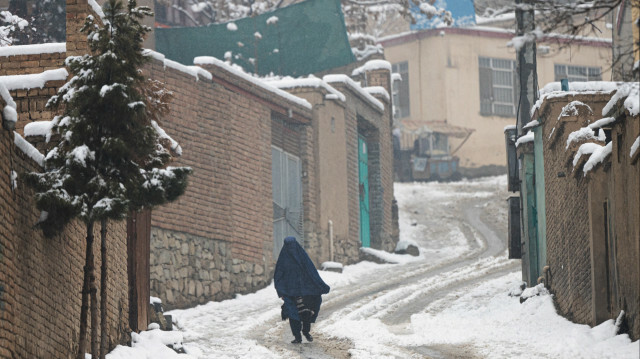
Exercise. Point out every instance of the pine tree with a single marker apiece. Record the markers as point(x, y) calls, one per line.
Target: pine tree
point(109, 160)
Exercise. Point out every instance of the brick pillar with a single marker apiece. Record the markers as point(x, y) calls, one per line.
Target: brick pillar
point(77, 11)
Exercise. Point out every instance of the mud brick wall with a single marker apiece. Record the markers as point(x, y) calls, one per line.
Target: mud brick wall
point(567, 212)
point(41, 278)
point(624, 196)
point(224, 128)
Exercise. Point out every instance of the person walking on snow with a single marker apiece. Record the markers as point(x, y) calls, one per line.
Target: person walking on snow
point(298, 283)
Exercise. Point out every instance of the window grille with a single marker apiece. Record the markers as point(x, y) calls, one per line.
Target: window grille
point(401, 90)
point(577, 73)
point(498, 92)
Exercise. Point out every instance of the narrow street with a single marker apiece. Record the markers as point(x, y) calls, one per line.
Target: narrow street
point(414, 309)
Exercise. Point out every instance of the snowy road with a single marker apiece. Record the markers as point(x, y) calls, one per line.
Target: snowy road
point(451, 302)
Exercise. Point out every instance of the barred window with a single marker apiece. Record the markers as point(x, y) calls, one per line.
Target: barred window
point(401, 90)
point(498, 92)
point(577, 73)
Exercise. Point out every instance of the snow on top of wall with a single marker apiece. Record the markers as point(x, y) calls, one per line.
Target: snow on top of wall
point(598, 156)
point(584, 134)
point(571, 109)
point(331, 265)
point(379, 91)
point(529, 137)
point(396, 77)
point(531, 124)
point(19, 82)
point(601, 122)
point(630, 92)
point(554, 90)
point(371, 66)
point(175, 146)
point(28, 149)
point(195, 71)
point(39, 128)
point(634, 147)
point(311, 81)
point(9, 112)
point(33, 49)
point(96, 8)
point(209, 60)
point(346, 80)
point(510, 127)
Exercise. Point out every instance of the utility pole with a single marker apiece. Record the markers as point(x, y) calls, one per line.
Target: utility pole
point(526, 63)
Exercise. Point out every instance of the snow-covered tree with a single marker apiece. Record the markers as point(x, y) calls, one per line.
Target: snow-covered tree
point(10, 24)
point(46, 18)
point(110, 160)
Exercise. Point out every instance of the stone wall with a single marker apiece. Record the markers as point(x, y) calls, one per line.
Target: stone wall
point(187, 269)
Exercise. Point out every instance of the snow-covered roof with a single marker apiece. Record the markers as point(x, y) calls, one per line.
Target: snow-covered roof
point(20, 82)
point(209, 60)
point(630, 93)
point(597, 154)
point(33, 49)
point(348, 82)
point(371, 66)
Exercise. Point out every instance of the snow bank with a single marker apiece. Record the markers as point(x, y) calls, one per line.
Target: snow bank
point(151, 344)
point(391, 257)
point(331, 265)
point(20, 82)
point(208, 60)
point(403, 244)
point(33, 49)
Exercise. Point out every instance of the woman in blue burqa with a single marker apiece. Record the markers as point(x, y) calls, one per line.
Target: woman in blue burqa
point(298, 283)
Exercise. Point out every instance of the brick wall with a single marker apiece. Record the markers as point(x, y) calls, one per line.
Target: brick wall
point(224, 126)
point(41, 278)
point(567, 210)
point(31, 63)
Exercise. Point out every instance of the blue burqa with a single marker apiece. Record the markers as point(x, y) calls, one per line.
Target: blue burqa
point(296, 276)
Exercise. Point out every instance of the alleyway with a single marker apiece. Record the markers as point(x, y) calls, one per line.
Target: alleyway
point(451, 302)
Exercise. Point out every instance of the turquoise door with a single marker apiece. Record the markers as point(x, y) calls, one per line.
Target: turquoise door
point(363, 175)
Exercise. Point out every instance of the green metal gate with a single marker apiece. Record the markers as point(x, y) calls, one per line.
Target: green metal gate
point(363, 174)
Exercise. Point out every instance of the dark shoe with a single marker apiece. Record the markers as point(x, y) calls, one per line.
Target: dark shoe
point(308, 336)
point(296, 341)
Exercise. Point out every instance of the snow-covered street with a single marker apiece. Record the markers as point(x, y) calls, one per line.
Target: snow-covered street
point(451, 302)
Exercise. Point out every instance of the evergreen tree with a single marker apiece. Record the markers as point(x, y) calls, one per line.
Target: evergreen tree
point(110, 160)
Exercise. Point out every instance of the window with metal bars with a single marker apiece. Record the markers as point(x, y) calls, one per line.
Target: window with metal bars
point(498, 92)
point(401, 90)
point(577, 73)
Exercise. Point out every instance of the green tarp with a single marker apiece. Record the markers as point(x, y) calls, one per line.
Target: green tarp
point(308, 37)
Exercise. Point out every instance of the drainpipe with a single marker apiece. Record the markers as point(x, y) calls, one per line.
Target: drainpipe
point(331, 240)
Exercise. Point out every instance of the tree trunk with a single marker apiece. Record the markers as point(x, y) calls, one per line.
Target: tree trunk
point(84, 309)
point(94, 301)
point(103, 290)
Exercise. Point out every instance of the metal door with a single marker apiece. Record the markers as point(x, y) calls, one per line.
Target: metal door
point(286, 184)
point(363, 174)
